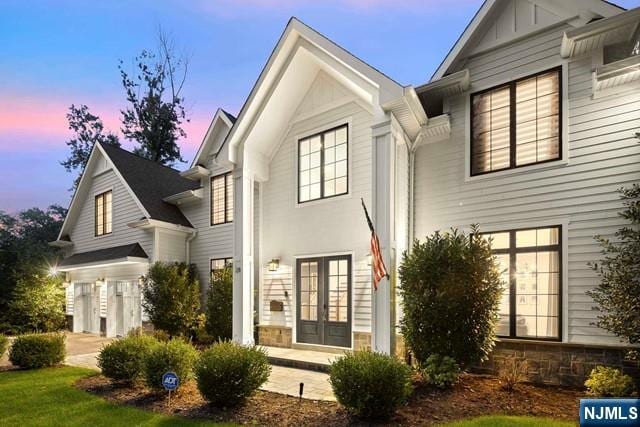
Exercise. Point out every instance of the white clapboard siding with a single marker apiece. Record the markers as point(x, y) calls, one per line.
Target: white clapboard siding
point(69, 300)
point(603, 156)
point(171, 247)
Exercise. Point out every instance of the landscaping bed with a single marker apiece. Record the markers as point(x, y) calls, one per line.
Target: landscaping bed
point(472, 396)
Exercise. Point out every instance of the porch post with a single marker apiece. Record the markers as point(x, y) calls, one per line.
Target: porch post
point(383, 301)
point(242, 328)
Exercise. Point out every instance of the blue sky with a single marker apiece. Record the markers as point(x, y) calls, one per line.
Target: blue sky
point(55, 53)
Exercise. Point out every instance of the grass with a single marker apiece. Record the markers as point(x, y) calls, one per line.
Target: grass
point(47, 397)
point(508, 421)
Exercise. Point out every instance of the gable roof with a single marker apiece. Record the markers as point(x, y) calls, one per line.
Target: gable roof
point(133, 250)
point(474, 27)
point(150, 183)
point(221, 119)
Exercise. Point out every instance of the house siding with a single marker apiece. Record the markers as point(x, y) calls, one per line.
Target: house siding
point(603, 156)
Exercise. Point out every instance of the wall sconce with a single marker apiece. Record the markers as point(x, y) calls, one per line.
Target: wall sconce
point(273, 265)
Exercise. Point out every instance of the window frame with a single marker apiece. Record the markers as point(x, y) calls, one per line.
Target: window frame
point(321, 133)
point(512, 84)
point(102, 196)
point(512, 251)
point(227, 261)
point(227, 176)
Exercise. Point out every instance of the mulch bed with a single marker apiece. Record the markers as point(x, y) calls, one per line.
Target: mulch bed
point(474, 395)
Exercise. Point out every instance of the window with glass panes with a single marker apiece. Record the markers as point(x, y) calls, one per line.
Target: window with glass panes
point(323, 165)
point(218, 264)
point(103, 213)
point(530, 263)
point(222, 199)
point(517, 124)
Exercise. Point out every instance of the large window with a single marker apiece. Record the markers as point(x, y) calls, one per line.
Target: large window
point(222, 199)
point(323, 165)
point(103, 213)
point(517, 124)
point(530, 261)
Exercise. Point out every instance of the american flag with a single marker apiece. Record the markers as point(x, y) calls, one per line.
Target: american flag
point(379, 270)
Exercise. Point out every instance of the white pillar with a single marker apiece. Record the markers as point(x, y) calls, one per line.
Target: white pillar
point(242, 257)
point(383, 301)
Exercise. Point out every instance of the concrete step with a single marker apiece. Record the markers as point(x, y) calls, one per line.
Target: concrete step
point(308, 360)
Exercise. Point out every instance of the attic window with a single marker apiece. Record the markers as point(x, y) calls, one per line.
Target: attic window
point(103, 213)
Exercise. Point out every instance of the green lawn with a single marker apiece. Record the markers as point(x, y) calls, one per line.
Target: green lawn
point(47, 397)
point(505, 421)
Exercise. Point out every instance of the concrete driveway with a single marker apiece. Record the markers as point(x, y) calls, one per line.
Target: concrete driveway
point(82, 349)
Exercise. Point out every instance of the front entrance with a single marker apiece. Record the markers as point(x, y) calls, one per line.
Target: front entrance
point(324, 300)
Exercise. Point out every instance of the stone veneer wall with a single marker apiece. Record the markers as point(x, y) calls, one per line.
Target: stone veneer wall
point(559, 363)
point(274, 336)
point(362, 342)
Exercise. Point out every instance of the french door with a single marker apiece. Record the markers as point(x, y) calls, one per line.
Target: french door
point(324, 300)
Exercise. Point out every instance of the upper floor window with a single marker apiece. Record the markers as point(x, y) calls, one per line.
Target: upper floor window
point(323, 165)
point(103, 213)
point(517, 124)
point(222, 199)
point(530, 262)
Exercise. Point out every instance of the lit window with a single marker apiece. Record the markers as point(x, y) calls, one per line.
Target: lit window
point(530, 264)
point(222, 199)
point(219, 264)
point(323, 165)
point(516, 124)
point(103, 213)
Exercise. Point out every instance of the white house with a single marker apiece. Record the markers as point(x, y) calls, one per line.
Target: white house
point(527, 128)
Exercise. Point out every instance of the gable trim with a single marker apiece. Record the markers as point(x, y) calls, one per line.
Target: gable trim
point(220, 115)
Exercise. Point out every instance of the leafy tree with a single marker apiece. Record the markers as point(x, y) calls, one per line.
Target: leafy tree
point(171, 297)
point(88, 129)
point(220, 304)
point(618, 294)
point(156, 110)
point(37, 303)
point(451, 288)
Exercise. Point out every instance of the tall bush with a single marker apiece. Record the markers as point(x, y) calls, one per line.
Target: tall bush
point(450, 287)
point(219, 307)
point(37, 304)
point(171, 297)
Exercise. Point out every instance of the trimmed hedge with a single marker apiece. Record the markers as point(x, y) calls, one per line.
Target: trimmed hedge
point(4, 343)
point(228, 373)
point(123, 360)
point(175, 355)
point(38, 350)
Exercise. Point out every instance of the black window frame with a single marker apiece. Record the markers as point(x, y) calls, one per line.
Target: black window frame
point(102, 196)
point(227, 176)
point(512, 251)
point(322, 164)
point(228, 261)
point(512, 122)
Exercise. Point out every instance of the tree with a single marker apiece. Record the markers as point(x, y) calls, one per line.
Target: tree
point(37, 303)
point(451, 288)
point(156, 110)
point(220, 304)
point(618, 294)
point(88, 129)
point(171, 297)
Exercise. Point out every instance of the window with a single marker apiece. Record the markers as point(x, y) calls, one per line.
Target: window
point(516, 124)
point(222, 199)
point(322, 165)
point(219, 264)
point(530, 261)
point(103, 211)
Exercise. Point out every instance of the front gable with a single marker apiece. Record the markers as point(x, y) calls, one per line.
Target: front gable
point(325, 93)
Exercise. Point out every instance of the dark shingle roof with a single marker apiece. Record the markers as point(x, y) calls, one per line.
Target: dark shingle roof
point(133, 250)
point(151, 182)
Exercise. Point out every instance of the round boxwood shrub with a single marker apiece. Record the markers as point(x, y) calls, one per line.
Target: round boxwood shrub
point(37, 350)
point(4, 343)
point(175, 355)
point(609, 382)
point(370, 385)
point(228, 373)
point(123, 359)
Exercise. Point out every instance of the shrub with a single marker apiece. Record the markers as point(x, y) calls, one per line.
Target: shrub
point(123, 359)
point(176, 355)
point(370, 385)
point(160, 335)
point(609, 382)
point(37, 350)
point(172, 297)
point(512, 371)
point(4, 343)
point(37, 304)
point(219, 306)
point(440, 371)
point(450, 287)
point(228, 373)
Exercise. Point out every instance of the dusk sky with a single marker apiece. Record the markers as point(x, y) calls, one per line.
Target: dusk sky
point(55, 53)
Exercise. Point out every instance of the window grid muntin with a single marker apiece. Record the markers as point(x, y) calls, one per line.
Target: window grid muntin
point(309, 290)
point(103, 213)
point(305, 165)
point(221, 193)
point(513, 134)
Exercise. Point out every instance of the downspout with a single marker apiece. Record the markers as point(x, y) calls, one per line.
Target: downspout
point(411, 154)
point(193, 235)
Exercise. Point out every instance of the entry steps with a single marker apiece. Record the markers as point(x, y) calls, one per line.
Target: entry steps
point(303, 358)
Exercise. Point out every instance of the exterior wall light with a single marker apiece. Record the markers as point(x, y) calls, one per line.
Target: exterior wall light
point(273, 265)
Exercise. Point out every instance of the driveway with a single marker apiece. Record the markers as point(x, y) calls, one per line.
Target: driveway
point(82, 349)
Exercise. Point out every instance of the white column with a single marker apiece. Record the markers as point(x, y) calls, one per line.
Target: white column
point(383, 309)
point(242, 257)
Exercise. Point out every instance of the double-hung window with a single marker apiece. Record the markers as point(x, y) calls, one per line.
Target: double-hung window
point(517, 124)
point(222, 199)
point(530, 261)
point(219, 264)
point(323, 165)
point(103, 213)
